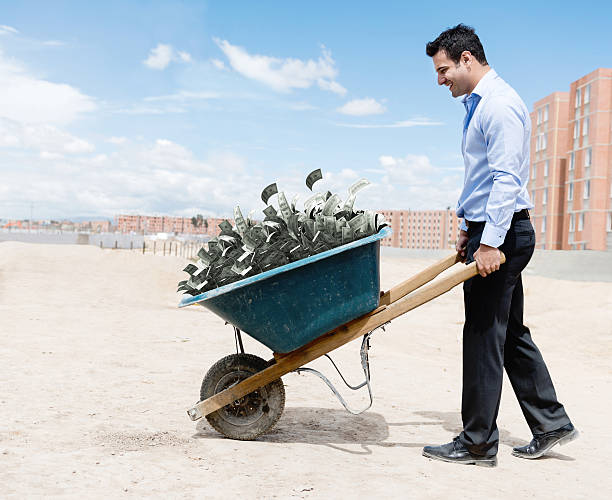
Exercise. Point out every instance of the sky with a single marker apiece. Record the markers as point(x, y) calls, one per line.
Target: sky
point(178, 108)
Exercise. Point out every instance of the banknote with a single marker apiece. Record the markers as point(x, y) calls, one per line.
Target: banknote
point(284, 206)
point(241, 225)
point(269, 211)
point(358, 186)
point(313, 177)
point(268, 192)
point(330, 205)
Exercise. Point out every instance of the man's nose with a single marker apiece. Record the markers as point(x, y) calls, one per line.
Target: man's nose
point(441, 80)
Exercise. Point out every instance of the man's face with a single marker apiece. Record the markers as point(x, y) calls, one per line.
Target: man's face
point(455, 76)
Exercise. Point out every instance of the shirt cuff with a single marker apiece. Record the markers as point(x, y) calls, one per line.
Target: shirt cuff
point(492, 235)
point(463, 225)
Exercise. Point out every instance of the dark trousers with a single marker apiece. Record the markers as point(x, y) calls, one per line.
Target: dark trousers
point(494, 338)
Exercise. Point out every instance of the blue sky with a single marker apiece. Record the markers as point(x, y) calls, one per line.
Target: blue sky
point(193, 107)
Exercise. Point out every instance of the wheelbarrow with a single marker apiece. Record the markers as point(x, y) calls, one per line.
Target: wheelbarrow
point(303, 311)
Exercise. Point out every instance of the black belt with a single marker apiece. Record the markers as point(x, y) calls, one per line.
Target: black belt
point(520, 215)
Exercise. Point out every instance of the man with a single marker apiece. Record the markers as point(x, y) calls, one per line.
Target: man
point(494, 207)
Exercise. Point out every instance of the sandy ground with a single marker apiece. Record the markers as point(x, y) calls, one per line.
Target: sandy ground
point(98, 367)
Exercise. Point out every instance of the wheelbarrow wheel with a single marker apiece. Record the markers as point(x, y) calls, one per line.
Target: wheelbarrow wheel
point(252, 415)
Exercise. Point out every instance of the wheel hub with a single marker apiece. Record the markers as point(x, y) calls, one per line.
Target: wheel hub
point(247, 409)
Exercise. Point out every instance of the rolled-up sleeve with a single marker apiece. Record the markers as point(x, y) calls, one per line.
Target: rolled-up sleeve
point(503, 126)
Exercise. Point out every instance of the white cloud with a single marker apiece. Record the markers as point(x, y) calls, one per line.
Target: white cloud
point(160, 177)
point(117, 140)
point(47, 139)
point(184, 56)
point(184, 95)
point(7, 30)
point(162, 55)
point(284, 75)
point(26, 98)
point(412, 181)
point(362, 107)
point(54, 43)
point(217, 63)
point(416, 122)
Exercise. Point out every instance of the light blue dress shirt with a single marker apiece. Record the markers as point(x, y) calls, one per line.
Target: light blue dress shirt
point(495, 147)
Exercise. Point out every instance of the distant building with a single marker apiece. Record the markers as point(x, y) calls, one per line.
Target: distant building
point(429, 229)
point(167, 224)
point(571, 165)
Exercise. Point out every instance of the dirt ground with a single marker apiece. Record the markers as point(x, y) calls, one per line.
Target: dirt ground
point(98, 366)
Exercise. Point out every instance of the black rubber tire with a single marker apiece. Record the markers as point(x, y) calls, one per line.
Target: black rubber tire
point(252, 415)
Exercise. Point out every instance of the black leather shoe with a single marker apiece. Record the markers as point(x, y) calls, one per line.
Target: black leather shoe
point(541, 443)
point(456, 452)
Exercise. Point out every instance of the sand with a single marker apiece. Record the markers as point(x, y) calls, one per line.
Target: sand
point(98, 367)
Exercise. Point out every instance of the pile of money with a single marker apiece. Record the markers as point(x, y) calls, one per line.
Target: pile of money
point(285, 235)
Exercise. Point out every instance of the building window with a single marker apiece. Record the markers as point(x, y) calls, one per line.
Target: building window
point(576, 129)
point(543, 141)
point(609, 221)
point(571, 223)
point(587, 94)
point(544, 224)
point(585, 127)
point(539, 116)
point(544, 196)
point(572, 160)
point(534, 172)
point(588, 157)
point(533, 194)
point(580, 222)
point(577, 98)
point(546, 168)
point(570, 192)
point(545, 113)
point(587, 189)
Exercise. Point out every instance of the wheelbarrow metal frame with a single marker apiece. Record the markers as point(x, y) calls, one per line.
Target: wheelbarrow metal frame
point(393, 304)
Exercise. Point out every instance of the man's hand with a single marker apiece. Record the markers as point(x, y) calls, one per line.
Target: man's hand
point(461, 244)
point(488, 259)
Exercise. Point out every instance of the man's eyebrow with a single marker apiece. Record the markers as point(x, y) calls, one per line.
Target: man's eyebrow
point(441, 67)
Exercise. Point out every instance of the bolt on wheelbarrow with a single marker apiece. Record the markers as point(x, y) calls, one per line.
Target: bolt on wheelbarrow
point(303, 311)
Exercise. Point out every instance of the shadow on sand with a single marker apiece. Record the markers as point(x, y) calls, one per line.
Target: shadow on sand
point(335, 428)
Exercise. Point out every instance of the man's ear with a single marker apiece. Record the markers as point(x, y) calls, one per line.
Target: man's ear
point(466, 58)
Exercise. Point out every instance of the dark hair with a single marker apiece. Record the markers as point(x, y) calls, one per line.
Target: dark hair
point(454, 41)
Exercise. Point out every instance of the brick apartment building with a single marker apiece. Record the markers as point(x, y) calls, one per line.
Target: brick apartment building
point(571, 165)
point(429, 229)
point(166, 224)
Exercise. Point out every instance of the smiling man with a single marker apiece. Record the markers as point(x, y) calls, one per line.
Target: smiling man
point(494, 207)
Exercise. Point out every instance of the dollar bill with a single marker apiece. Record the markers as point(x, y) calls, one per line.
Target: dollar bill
point(225, 227)
point(284, 206)
point(190, 269)
point(241, 225)
point(348, 204)
point(358, 186)
point(331, 204)
point(268, 192)
point(269, 211)
point(313, 177)
point(313, 201)
point(205, 257)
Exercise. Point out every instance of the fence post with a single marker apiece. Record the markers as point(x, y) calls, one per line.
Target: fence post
point(101, 243)
point(115, 244)
point(154, 245)
point(175, 247)
point(164, 248)
point(143, 247)
point(131, 245)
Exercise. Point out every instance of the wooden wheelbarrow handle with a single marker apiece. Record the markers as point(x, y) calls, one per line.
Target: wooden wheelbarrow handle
point(286, 363)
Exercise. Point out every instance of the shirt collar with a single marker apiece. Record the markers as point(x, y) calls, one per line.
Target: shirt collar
point(483, 86)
